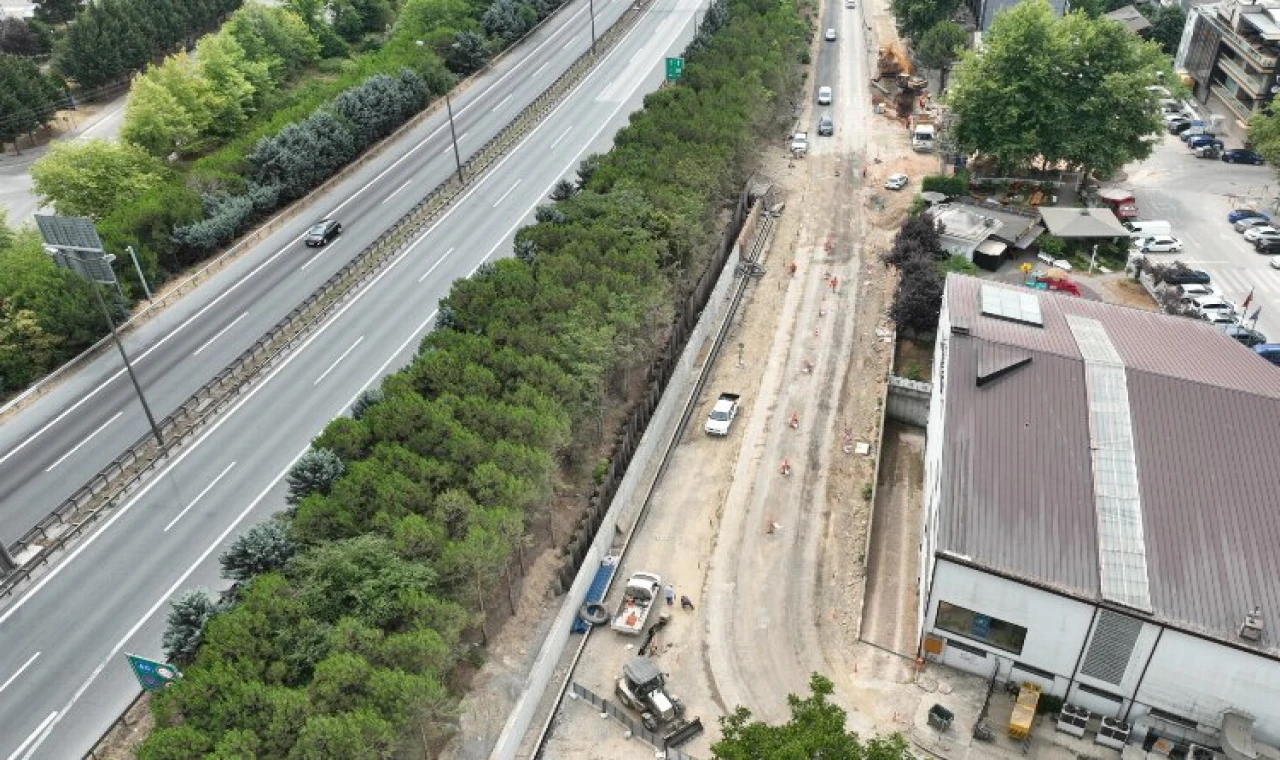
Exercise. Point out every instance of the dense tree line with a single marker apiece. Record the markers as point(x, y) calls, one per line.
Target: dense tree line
point(28, 98)
point(108, 39)
point(351, 612)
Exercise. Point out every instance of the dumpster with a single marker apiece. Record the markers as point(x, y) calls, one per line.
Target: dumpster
point(940, 717)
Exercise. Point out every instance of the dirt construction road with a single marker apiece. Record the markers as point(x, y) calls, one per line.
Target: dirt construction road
point(774, 562)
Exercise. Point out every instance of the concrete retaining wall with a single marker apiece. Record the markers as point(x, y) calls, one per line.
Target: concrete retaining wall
point(624, 508)
point(908, 401)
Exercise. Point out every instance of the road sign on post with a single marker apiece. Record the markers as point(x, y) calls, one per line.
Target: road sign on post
point(152, 674)
point(675, 67)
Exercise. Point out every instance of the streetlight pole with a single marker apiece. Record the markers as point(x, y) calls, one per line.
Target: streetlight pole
point(592, 9)
point(457, 157)
point(141, 277)
point(115, 336)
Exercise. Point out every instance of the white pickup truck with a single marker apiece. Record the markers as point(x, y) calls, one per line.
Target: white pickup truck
point(722, 414)
point(799, 144)
point(640, 595)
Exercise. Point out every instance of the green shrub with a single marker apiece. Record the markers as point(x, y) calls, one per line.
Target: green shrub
point(954, 186)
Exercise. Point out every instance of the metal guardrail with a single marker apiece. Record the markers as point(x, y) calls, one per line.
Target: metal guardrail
point(88, 503)
point(636, 728)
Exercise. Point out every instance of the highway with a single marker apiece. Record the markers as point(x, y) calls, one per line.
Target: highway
point(63, 677)
point(60, 441)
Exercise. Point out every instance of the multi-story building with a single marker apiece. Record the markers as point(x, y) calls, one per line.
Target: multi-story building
point(1101, 515)
point(1230, 50)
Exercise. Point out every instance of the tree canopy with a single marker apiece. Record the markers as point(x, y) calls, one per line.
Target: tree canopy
point(1062, 91)
point(816, 730)
point(94, 177)
point(915, 17)
point(941, 45)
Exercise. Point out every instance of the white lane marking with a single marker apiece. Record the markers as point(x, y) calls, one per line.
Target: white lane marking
point(397, 190)
point(504, 195)
point(159, 477)
point(569, 44)
point(220, 333)
point(550, 38)
point(449, 148)
point(538, 70)
point(323, 250)
point(14, 677)
point(198, 497)
point(40, 729)
point(337, 361)
point(45, 727)
point(563, 135)
point(501, 103)
point(427, 273)
point(100, 121)
point(87, 438)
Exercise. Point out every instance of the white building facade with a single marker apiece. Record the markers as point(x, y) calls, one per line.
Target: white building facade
point(1174, 671)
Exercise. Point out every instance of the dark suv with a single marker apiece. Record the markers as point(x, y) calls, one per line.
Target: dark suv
point(1241, 156)
point(323, 231)
point(1267, 245)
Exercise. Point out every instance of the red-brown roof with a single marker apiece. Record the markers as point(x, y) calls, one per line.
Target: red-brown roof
point(1017, 476)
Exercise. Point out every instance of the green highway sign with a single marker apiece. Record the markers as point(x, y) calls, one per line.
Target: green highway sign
point(152, 674)
point(675, 67)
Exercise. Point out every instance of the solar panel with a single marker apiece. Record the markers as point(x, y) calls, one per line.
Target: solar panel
point(1011, 305)
point(69, 232)
point(1122, 549)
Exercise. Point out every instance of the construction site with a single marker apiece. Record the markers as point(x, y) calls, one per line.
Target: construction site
point(788, 544)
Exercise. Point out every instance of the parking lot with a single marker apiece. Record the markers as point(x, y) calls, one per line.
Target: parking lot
point(1195, 195)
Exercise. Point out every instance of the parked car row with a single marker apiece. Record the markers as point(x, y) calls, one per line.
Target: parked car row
point(1257, 229)
point(1201, 139)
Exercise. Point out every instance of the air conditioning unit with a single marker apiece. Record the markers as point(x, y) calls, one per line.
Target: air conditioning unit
point(1251, 629)
point(1113, 733)
point(1072, 720)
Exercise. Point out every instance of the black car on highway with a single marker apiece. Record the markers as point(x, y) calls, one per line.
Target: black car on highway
point(323, 231)
point(1242, 156)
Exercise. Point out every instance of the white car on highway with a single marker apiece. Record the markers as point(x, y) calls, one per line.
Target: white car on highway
point(1257, 232)
point(1158, 244)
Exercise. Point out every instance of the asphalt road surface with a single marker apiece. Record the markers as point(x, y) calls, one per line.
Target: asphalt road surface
point(63, 439)
point(1194, 196)
point(63, 677)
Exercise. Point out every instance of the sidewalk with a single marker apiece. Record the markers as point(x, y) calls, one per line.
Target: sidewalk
point(17, 198)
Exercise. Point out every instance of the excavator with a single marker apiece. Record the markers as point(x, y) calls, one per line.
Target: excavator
point(895, 77)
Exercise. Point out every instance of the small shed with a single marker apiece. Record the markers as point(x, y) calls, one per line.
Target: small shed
point(1076, 223)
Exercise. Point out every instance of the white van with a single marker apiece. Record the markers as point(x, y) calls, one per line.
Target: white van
point(1149, 228)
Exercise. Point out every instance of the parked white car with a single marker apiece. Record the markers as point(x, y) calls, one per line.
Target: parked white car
point(896, 182)
point(1275, 262)
point(1220, 318)
point(1213, 305)
point(1158, 244)
point(1253, 234)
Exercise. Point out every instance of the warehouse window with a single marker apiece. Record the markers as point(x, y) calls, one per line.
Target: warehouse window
point(979, 627)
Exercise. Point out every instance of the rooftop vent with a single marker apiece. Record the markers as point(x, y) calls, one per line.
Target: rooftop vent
point(1251, 630)
point(988, 221)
